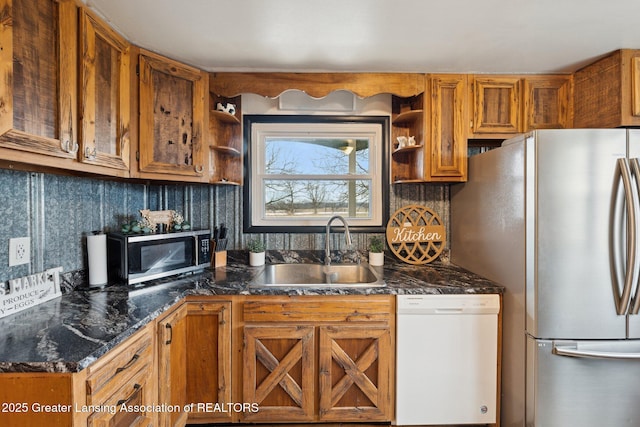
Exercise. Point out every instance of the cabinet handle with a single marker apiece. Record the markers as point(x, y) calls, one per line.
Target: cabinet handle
point(136, 387)
point(69, 147)
point(91, 155)
point(168, 326)
point(199, 169)
point(128, 364)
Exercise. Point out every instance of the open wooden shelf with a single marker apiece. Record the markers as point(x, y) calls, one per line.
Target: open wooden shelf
point(407, 149)
point(230, 151)
point(225, 117)
point(226, 182)
point(408, 181)
point(225, 148)
point(407, 117)
point(407, 163)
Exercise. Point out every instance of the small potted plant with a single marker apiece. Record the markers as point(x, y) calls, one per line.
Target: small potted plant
point(256, 252)
point(376, 251)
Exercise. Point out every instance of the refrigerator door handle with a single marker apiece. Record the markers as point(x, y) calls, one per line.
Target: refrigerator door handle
point(573, 351)
point(622, 300)
point(635, 301)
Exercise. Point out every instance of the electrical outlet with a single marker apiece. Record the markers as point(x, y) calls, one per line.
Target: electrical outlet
point(19, 251)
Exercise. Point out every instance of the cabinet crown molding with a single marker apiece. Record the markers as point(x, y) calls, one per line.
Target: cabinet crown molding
point(317, 85)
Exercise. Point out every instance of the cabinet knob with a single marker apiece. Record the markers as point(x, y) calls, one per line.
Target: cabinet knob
point(91, 155)
point(199, 169)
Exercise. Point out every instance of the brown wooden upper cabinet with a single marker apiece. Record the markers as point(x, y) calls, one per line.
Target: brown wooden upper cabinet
point(104, 94)
point(456, 107)
point(547, 102)
point(446, 153)
point(172, 117)
point(503, 106)
point(39, 69)
point(607, 92)
point(437, 121)
point(496, 104)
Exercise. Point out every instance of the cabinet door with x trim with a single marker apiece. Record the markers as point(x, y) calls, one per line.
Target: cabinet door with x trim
point(354, 373)
point(318, 359)
point(279, 372)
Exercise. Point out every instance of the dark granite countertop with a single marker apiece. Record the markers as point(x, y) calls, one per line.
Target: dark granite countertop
point(69, 333)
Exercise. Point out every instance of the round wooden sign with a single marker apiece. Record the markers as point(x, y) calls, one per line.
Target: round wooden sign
point(416, 234)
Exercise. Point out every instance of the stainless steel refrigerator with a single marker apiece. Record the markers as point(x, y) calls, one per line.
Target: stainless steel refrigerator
point(554, 216)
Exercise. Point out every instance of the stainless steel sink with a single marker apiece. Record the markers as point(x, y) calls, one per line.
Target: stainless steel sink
point(318, 275)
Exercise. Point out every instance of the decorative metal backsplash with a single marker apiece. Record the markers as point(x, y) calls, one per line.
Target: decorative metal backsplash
point(56, 213)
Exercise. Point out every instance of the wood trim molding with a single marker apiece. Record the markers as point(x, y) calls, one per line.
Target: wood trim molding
point(317, 85)
point(635, 86)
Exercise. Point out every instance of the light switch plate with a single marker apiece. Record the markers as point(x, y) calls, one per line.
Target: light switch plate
point(19, 251)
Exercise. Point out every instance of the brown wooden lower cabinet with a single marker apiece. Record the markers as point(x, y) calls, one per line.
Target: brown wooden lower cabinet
point(92, 397)
point(318, 359)
point(26, 398)
point(194, 361)
point(355, 373)
point(279, 372)
point(172, 360)
point(134, 396)
point(121, 385)
point(290, 359)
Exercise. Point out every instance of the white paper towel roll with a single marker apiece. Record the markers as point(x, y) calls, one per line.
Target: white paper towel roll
point(97, 254)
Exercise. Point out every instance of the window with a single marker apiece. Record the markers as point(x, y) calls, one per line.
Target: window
point(301, 170)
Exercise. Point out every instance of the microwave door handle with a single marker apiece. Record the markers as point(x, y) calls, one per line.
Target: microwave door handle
point(196, 250)
point(635, 301)
point(623, 172)
point(593, 354)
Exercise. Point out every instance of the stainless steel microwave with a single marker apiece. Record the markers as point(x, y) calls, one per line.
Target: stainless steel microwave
point(136, 258)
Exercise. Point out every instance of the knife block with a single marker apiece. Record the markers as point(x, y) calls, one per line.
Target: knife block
point(219, 259)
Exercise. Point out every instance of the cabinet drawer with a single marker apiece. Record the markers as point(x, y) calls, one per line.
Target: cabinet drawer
point(119, 367)
point(368, 308)
point(135, 395)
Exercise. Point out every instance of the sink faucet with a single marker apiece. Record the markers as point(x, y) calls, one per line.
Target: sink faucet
point(347, 237)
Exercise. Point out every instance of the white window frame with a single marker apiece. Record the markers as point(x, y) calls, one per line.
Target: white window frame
point(372, 128)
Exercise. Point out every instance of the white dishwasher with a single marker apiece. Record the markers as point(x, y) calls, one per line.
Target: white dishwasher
point(446, 361)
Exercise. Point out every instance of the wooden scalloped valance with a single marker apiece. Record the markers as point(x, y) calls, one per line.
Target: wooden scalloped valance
point(317, 85)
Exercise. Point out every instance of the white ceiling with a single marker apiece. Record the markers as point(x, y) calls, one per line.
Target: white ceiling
point(482, 36)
